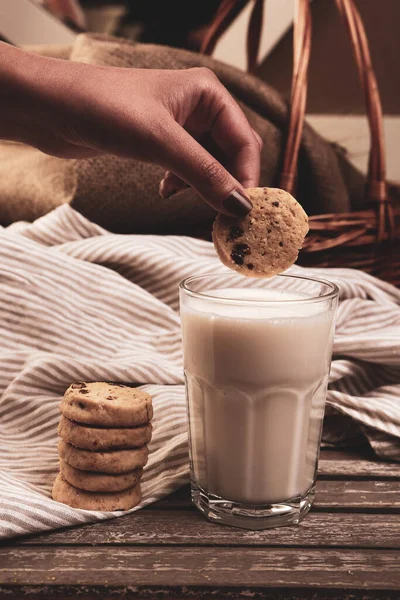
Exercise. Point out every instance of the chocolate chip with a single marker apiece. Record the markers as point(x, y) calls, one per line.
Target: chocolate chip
point(83, 391)
point(242, 249)
point(275, 204)
point(269, 230)
point(239, 252)
point(234, 233)
point(237, 258)
point(250, 266)
point(81, 405)
point(281, 244)
point(78, 386)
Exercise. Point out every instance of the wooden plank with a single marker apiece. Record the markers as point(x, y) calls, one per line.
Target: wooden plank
point(330, 495)
point(334, 463)
point(189, 528)
point(41, 592)
point(361, 495)
point(155, 566)
point(193, 593)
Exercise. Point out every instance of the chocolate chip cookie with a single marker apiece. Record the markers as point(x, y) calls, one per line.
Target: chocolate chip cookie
point(100, 438)
point(267, 240)
point(99, 482)
point(68, 494)
point(106, 405)
point(108, 461)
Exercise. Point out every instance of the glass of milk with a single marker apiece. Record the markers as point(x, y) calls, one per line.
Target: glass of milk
point(257, 356)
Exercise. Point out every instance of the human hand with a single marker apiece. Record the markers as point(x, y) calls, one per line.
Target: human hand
point(157, 116)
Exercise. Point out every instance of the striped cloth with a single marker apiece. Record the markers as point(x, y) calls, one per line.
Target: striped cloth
point(79, 303)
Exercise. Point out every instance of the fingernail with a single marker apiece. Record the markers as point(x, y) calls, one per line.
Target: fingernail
point(237, 204)
point(167, 190)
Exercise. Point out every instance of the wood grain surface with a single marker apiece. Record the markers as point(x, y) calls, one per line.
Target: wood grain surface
point(369, 495)
point(256, 567)
point(347, 548)
point(189, 528)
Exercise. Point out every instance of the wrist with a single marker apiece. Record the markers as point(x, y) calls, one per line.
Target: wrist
point(16, 68)
point(29, 88)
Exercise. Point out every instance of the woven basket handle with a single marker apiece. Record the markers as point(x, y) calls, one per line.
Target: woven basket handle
point(224, 17)
point(376, 178)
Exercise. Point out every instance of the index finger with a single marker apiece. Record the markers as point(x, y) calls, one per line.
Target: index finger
point(232, 133)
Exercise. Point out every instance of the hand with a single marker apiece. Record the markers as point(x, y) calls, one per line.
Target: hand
point(157, 116)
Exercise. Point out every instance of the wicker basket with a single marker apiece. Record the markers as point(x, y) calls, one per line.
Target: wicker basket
point(367, 239)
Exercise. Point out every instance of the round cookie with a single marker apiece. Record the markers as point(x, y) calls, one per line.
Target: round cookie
point(267, 240)
point(99, 482)
point(109, 461)
point(106, 405)
point(98, 438)
point(68, 494)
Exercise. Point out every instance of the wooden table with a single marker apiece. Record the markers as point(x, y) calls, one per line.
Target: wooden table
point(348, 547)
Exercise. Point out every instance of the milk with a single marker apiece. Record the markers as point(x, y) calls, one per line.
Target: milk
point(256, 382)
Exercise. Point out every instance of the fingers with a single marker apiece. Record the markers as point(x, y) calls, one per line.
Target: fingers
point(191, 163)
point(241, 147)
point(259, 139)
point(218, 114)
point(172, 184)
point(235, 137)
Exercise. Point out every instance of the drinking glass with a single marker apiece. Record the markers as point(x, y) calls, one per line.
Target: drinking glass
point(257, 355)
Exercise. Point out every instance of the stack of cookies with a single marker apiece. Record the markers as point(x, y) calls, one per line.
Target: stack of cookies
point(104, 431)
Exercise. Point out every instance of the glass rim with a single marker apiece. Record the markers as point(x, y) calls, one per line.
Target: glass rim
point(330, 294)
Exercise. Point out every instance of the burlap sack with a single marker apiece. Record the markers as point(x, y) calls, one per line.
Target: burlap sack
point(122, 195)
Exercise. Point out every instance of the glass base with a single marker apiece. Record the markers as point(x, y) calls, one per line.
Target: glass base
point(248, 516)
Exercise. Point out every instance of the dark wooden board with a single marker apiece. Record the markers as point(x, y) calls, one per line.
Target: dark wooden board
point(373, 495)
point(56, 592)
point(330, 495)
point(335, 463)
point(189, 528)
point(207, 566)
point(348, 548)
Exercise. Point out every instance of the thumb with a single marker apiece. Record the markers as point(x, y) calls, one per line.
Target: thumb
point(199, 169)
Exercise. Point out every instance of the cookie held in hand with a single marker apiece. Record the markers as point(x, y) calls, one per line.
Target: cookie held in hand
point(267, 240)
